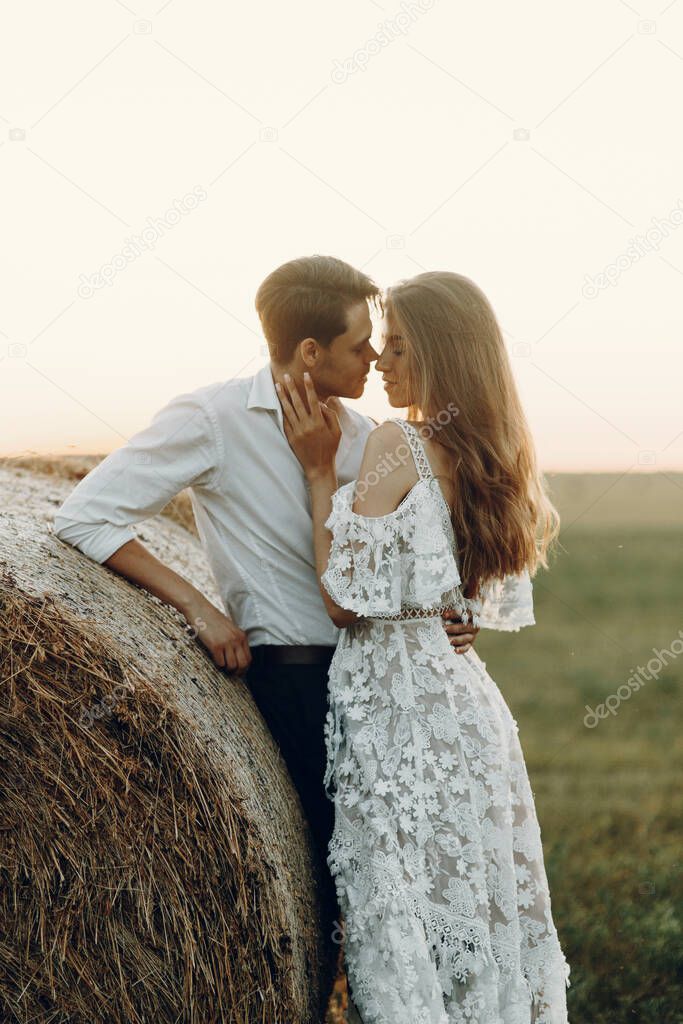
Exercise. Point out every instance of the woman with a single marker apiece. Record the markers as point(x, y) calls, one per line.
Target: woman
point(436, 850)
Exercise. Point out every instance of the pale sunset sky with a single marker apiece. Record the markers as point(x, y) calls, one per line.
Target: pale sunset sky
point(534, 147)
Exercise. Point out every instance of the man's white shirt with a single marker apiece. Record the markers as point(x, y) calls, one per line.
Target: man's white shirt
point(226, 442)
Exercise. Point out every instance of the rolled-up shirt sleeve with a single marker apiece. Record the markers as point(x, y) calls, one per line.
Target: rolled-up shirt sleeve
point(180, 448)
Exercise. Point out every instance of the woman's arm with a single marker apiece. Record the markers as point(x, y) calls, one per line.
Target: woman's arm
point(380, 494)
point(322, 486)
point(314, 434)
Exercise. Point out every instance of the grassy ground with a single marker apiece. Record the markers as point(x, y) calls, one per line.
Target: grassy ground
point(609, 798)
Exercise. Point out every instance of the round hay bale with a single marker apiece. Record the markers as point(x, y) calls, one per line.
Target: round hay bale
point(154, 861)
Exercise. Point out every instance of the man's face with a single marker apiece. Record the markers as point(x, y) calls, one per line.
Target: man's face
point(343, 367)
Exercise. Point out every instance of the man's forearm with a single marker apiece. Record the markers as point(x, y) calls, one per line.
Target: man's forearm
point(134, 561)
point(225, 641)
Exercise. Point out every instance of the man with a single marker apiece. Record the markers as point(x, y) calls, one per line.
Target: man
point(226, 442)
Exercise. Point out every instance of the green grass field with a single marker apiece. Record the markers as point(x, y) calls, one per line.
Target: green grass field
point(609, 798)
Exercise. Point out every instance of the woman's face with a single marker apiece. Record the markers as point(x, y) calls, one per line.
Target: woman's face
point(393, 364)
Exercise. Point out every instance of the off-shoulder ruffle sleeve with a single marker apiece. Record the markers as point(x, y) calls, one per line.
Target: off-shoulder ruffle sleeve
point(379, 563)
point(507, 604)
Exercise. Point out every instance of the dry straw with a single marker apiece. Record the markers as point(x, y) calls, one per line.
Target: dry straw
point(154, 863)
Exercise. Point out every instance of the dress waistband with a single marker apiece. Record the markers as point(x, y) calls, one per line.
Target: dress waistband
point(414, 613)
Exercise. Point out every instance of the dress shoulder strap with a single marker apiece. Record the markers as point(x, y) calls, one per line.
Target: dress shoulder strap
point(417, 448)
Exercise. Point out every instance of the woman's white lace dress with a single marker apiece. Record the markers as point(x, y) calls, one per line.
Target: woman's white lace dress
point(436, 849)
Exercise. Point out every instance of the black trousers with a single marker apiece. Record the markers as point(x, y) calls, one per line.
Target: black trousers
point(293, 702)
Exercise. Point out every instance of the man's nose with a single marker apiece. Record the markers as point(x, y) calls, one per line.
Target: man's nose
point(373, 355)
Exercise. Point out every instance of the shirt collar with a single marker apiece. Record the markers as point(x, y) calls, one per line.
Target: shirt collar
point(263, 394)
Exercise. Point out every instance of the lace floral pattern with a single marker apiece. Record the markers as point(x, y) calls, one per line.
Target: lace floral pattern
point(436, 849)
point(507, 604)
point(379, 565)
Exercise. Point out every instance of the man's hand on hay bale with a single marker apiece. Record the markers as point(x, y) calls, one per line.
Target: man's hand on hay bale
point(226, 643)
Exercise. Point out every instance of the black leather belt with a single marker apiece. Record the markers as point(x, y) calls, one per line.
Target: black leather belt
point(300, 654)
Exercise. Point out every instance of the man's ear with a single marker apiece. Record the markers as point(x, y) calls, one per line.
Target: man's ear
point(310, 351)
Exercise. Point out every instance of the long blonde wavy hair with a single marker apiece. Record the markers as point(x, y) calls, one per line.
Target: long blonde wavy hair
point(503, 519)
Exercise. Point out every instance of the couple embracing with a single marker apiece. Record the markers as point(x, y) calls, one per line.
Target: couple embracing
point(356, 564)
